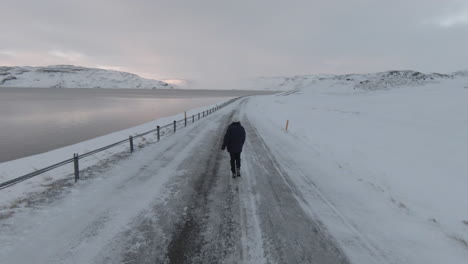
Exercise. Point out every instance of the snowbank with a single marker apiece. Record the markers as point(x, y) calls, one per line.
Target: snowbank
point(388, 154)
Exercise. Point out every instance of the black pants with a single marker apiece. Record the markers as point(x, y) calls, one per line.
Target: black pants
point(235, 161)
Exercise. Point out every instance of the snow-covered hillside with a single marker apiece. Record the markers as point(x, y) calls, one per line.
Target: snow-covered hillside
point(389, 165)
point(285, 83)
point(371, 81)
point(68, 76)
point(180, 83)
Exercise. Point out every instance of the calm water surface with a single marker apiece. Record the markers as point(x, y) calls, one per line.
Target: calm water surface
point(36, 120)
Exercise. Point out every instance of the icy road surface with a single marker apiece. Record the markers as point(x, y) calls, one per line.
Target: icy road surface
point(175, 202)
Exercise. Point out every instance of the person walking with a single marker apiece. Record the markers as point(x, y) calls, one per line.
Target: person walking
point(234, 141)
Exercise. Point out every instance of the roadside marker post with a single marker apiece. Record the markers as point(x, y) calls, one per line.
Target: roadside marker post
point(130, 138)
point(157, 128)
point(76, 167)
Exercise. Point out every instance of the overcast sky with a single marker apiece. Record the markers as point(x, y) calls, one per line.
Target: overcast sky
point(237, 38)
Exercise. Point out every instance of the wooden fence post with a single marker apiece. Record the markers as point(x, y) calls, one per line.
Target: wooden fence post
point(175, 126)
point(198, 116)
point(193, 119)
point(76, 166)
point(287, 125)
point(185, 117)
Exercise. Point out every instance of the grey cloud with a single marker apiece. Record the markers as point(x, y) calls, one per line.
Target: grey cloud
point(236, 39)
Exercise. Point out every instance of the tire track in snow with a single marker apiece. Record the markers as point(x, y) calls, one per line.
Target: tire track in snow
point(285, 226)
point(312, 199)
point(206, 233)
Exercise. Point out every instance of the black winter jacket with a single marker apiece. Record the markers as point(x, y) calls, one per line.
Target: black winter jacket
point(234, 138)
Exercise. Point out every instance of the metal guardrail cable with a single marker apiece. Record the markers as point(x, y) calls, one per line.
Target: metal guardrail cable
point(34, 173)
point(165, 126)
point(145, 133)
point(102, 149)
point(167, 131)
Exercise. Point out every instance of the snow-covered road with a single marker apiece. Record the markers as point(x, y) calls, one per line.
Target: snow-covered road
point(175, 202)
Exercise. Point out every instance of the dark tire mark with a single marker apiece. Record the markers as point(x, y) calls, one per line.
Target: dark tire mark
point(188, 241)
point(290, 234)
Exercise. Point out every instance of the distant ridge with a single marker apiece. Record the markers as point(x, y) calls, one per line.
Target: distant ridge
point(69, 76)
point(369, 81)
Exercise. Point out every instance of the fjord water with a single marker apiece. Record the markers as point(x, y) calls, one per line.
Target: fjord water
point(36, 120)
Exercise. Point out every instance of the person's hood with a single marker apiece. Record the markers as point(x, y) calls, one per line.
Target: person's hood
point(236, 118)
point(235, 123)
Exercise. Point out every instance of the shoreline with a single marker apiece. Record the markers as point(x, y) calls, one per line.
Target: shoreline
point(144, 93)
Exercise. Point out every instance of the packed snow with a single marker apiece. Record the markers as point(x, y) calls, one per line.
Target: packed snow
point(388, 154)
point(69, 76)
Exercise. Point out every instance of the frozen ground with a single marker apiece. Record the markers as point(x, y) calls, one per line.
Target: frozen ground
point(174, 202)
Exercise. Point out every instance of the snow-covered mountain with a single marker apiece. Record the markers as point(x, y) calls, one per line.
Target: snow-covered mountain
point(370, 81)
point(69, 76)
